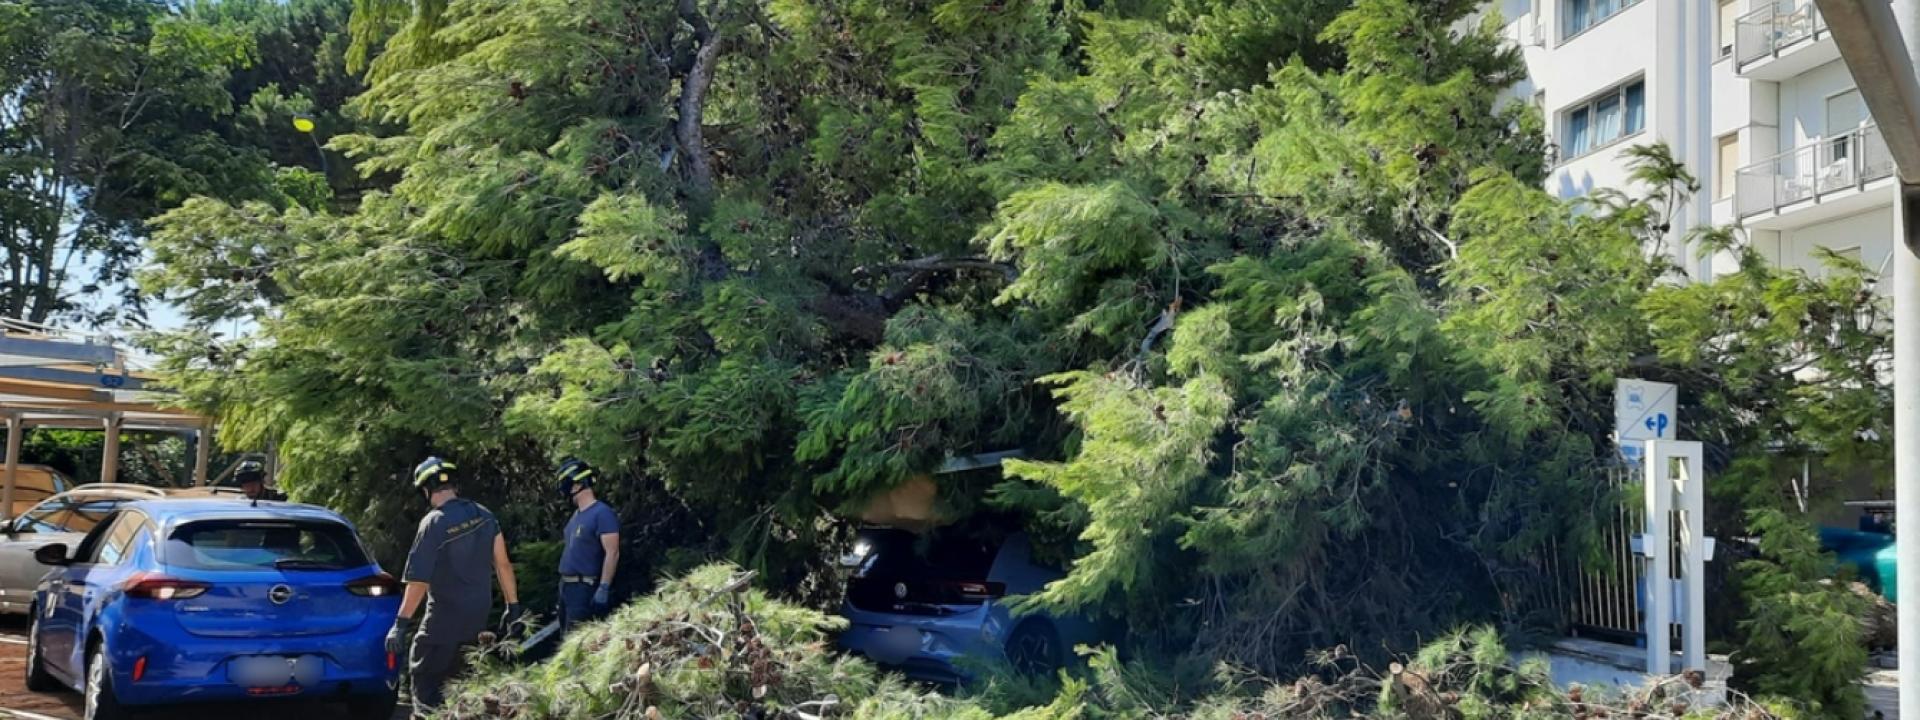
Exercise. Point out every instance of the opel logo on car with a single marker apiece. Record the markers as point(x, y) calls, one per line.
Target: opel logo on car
point(280, 594)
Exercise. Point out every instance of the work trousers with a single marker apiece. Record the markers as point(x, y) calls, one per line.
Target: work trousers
point(576, 604)
point(431, 667)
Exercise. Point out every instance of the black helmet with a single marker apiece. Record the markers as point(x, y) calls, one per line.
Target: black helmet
point(575, 475)
point(249, 471)
point(433, 474)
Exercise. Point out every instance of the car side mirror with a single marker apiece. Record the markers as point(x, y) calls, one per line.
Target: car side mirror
point(54, 554)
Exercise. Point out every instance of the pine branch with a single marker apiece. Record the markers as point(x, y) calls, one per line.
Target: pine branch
point(922, 268)
point(941, 263)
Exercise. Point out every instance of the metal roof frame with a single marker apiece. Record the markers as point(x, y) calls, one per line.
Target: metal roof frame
point(52, 379)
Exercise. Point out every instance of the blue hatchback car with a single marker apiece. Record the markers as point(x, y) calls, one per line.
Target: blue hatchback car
point(936, 607)
point(201, 600)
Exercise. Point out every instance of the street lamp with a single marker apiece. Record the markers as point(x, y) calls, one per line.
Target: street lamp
point(304, 124)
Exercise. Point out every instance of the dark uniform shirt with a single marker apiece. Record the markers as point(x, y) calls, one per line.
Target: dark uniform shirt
point(453, 554)
point(583, 554)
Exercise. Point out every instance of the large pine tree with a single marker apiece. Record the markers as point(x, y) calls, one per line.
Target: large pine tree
point(1268, 289)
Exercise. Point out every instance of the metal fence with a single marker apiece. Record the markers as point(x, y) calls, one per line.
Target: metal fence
point(1765, 31)
point(1604, 593)
point(1595, 594)
point(1847, 160)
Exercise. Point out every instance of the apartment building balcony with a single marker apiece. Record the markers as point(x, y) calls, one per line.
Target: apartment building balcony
point(1782, 40)
point(1828, 178)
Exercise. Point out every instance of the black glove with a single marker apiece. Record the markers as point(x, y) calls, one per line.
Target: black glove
point(510, 618)
point(397, 637)
point(600, 597)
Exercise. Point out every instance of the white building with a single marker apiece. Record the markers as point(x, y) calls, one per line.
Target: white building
point(1751, 94)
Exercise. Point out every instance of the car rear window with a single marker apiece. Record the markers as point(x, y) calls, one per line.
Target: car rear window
point(931, 571)
point(264, 545)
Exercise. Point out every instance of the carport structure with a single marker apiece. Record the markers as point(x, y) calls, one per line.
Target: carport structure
point(55, 379)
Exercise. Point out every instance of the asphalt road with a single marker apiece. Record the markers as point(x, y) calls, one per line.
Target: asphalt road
point(16, 703)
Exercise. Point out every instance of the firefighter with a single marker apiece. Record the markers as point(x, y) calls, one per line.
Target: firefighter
point(592, 549)
point(252, 479)
point(456, 553)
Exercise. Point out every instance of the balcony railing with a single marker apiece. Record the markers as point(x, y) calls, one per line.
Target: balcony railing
point(1827, 165)
point(1765, 31)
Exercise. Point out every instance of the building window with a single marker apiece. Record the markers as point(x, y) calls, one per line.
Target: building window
point(1728, 171)
point(1729, 20)
point(1609, 116)
point(1845, 114)
point(1578, 15)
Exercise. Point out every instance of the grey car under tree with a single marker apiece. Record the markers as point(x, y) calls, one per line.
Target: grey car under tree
point(63, 518)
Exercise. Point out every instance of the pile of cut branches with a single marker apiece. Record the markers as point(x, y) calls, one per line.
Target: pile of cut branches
point(1472, 675)
point(710, 646)
point(704, 646)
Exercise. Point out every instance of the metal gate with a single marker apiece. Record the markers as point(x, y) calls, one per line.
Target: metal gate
point(1589, 596)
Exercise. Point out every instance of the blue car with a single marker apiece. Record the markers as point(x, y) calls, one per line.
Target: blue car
point(169, 601)
point(936, 608)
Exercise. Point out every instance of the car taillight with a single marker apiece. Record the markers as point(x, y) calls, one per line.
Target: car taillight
point(151, 586)
point(382, 585)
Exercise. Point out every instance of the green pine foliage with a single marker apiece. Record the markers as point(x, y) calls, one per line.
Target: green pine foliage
point(1802, 639)
point(1801, 376)
point(1268, 291)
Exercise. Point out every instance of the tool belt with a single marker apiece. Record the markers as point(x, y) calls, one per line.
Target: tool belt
point(589, 579)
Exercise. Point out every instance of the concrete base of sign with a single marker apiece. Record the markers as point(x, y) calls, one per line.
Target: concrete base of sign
point(1601, 665)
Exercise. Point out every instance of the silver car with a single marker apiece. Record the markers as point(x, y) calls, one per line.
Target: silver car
point(63, 518)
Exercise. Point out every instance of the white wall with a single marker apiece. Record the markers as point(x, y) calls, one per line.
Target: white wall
point(1871, 231)
point(1693, 97)
point(1734, 104)
point(1803, 104)
point(1519, 28)
point(1606, 55)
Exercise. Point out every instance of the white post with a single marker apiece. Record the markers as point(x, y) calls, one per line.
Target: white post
point(16, 427)
point(1906, 449)
point(1692, 485)
point(1655, 545)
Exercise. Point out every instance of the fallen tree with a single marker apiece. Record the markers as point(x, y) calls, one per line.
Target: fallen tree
point(709, 645)
point(1298, 347)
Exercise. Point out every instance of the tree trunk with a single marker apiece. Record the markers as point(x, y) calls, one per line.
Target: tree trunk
point(693, 100)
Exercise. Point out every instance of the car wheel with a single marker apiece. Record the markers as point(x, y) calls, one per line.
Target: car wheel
point(102, 704)
point(1034, 649)
point(38, 679)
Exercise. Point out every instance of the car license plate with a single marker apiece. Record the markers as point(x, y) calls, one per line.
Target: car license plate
point(277, 672)
point(900, 642)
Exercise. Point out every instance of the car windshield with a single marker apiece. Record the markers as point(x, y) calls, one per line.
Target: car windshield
point(45, 517)
point(66, 515)
point(263, 545)
point(90, 513)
